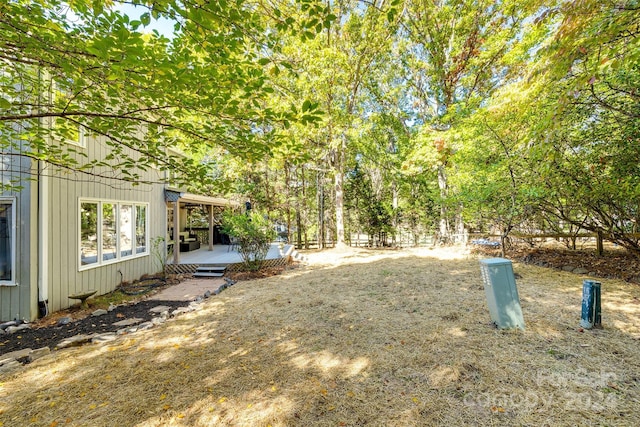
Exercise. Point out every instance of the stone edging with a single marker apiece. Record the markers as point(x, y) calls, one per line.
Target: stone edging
point(16, 359)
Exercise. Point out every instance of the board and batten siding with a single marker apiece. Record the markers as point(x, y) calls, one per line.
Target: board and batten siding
point(64, 275)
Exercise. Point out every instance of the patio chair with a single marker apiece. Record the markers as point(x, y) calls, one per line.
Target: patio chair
point(233, 244)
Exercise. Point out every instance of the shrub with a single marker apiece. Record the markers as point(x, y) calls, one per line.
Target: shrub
point(253, 234)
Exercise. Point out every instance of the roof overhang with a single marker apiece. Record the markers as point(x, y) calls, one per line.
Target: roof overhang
point(196, 199)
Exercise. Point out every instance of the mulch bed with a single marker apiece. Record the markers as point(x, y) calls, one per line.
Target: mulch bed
point(47, 334)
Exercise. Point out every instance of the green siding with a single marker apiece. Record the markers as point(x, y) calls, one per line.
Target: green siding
point(65, 277)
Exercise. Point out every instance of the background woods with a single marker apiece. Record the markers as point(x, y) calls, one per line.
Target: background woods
point(369, 122)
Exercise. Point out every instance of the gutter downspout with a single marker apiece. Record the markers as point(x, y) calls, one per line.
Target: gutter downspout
point(43, 236)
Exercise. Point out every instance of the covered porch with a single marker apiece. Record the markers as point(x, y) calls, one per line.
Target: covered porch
point(225, 255)
point(185, 237)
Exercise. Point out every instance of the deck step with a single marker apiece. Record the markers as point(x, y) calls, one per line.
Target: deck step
point(210, 271)
point(205, 274)
point(211, 268)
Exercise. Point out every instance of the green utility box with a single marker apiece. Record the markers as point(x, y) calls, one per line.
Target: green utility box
point(502, 294)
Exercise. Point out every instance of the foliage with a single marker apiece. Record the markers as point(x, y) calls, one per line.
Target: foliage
point(253, 234)
point(503, 116)
point(84, 67)
point(160, 253)
point(373, 215)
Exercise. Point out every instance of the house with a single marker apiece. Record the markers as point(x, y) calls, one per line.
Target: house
point(67, 233)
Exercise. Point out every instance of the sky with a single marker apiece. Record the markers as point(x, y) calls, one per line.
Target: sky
point(162, 25)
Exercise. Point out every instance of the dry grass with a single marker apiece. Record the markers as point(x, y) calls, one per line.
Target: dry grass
point(357, 338)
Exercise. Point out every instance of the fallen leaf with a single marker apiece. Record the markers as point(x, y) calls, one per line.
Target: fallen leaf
point(53, 424)
point(93, 406)
point(163, 396)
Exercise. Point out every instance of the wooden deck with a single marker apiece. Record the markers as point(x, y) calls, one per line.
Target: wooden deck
point(222, 254)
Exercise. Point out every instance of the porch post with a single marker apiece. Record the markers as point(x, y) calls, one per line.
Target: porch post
point(210, 211)
point(176, 231)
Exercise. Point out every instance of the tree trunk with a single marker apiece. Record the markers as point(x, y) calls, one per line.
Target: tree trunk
point(599, 244)
point(339, 188)
point(320, 210)
point(445, 232)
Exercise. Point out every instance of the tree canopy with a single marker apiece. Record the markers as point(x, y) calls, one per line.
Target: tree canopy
point(401, 117)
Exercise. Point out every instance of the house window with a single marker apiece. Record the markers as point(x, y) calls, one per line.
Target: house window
point(141, 229)
point(88, 233)
point(67, 130)
point(112, 231)
point(109, 231)
point(71, 133)
point(7, 242)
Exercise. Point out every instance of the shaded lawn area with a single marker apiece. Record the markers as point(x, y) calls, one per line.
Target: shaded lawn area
point(357, 338)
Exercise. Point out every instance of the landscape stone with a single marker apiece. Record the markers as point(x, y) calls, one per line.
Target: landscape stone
point(144, 326)
point(580, 270)
point(38, 353)
point(128, 322)
point(159, 309)
point(181, 310)
point(64, 321)
point(158, 320)
point(10, 366)
point(567, 268)
point(74, 341)
point(207, 294)
point(99, 312)
point(106, 337)
point(14, 329)
point(18, 354)
point(5, 325)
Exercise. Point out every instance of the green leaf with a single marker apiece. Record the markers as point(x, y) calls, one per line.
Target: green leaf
point(145, 18)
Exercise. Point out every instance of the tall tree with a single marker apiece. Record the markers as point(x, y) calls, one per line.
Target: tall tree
point(459, 52)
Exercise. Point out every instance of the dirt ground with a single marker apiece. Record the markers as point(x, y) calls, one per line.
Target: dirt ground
point(356, 338)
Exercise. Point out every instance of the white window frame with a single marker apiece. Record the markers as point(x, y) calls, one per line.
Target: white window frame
point(99, 237)
point(11, 201)
point(82, 138)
